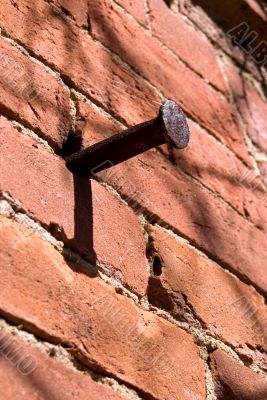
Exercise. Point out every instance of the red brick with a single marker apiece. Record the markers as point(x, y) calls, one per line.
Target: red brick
point(136, 9)
point(104, 330)
point(190, 45)
point(76, 9)
point(82, 62)
point(32, 95)
point(200, 17)
point(92, 125)
point(221, 171)
point(83, 213)
point(234, 381)
point(163, 70)
point(217, 18)
point(251, 106)
point(109, 82)
point(199, 291)
point(25, 372)
point(163, 193)
point(204, 159)
point(214, 226)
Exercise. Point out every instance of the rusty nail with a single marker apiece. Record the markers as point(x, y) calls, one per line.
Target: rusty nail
point(170, 126)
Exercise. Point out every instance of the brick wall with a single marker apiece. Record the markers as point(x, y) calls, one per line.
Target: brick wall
point(148, 281)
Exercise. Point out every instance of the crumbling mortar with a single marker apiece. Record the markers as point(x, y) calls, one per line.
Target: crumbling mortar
point(175, 6)
point(63, 79)
point(24, 129)
point(61, 75)
point(66, 82)
point(29, 132)
point(194, 181)
point(210, 389)
point(70, 86)
point(22, 126)
point(206, 340)
point(76, 95)
point(109, 280)
point(12, 210)
point(32, 56)
point(261, 156)
point(148, 14)
point(202, 338)
point(73, 111)
point(59, 353)
point(133, 204)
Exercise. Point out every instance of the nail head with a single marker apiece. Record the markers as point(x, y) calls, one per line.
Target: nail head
point(177, 130)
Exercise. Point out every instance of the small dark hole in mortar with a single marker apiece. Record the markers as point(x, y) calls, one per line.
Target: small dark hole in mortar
point(168, 2)
point(157, 267)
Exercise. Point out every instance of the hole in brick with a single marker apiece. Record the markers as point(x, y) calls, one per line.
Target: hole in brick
point(157, 266)
point(118, 290)
point(52, 352)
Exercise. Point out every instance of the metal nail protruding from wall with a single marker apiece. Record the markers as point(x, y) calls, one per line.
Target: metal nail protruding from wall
point(170, 126)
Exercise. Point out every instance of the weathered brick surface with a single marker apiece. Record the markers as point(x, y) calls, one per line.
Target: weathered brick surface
point(190, 45)
point(100, 76)
point(75, 9)
point(251, 105)
point(136, 9)
point(186, 284)
point(103, 329)
point(92, 125)
point(200, 216)
point(222, 172)
point(78, 11)
point(123, 56)
point(157, 186)
point(234, 381)
point(163, 70)
point(205, 159)
point(87, 216)
point(83, 63)
point(26, 372)
point(29, 93)
point(206, 24)
point(216, 18)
